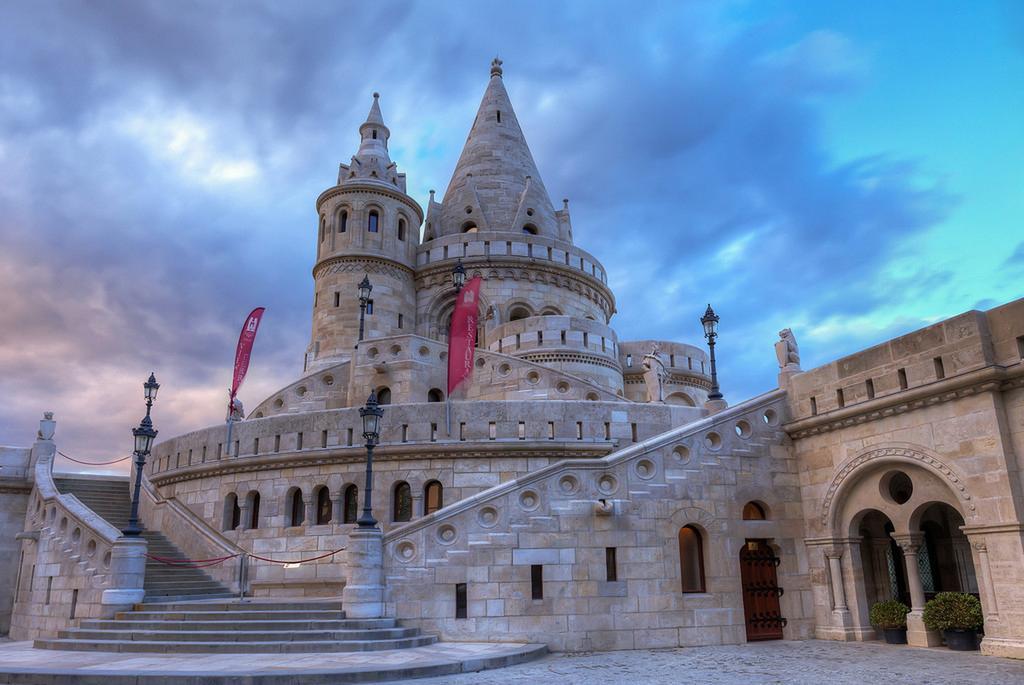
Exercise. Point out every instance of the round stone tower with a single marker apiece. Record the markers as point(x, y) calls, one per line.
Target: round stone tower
point(367, 226)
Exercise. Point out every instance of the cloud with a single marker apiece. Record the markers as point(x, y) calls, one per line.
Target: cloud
point(161, 162)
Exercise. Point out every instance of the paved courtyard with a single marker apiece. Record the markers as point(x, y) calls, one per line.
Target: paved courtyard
point(815, 662)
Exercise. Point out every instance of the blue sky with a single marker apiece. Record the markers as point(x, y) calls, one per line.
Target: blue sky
point(850, 170)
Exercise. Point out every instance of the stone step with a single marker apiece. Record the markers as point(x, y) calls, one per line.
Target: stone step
point(186, 598)
point(234, 633)
point(234, 622)
point(233, 616)
point(222, 647)
point(240, 607)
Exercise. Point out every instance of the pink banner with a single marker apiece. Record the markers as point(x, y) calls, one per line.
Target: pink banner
point(244, 351)
point(462, 336)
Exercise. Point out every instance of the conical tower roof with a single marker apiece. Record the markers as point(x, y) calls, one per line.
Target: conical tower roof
point(496, 178)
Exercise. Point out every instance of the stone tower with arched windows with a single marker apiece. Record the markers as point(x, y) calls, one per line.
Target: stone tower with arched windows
point(368, 226)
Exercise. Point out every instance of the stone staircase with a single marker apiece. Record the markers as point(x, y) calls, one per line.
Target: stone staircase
point(237, 627)
point(110, 499)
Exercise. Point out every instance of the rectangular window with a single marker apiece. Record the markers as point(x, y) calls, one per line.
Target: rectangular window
point(190, 455)
point(551, 430)
point(369, 307)
point(607, 431)
point(632, 430)
point(586, 341)
point(277, 443)
point(840, 398)
point(579, 430)
point(870, 385)
point(540, 338)
point(49, 588)
point(814, 406)
point(255, 448)
point(492, 431)
point(348, 437)
point(537, 581)
point(522, 430)
point(237, 444)
point(462, 431)
point(337, 299)
point(444, 252)
point(298, 441)
point(220, 449)
point(517, 341)
point(400, 321)
point(405, 432)
point(902, 375)
point(316, 299)
point(1020, 346)
point(563, 337)
point(74, 603)
point(204, 454)
point(629, 361)
point(603, 348)
point(689, 363)
point(940, 368)
point(460, 600)
point(323, 439)
point(611, 569)
point(433, 432)
point(671, 360)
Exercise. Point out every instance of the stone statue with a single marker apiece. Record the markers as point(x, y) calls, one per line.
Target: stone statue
point(654, 375)
point(787, 352)
point(237, 411)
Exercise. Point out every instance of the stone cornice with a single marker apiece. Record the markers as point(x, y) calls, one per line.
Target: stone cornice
point(15, 488)
point(565, 356)
point(678, 378)
point(373, 189)
point(993, 528)
point(988, 379)
point(364, 259)
point(552, 449)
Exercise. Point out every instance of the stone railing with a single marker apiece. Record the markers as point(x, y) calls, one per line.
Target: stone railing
point(76, 564)
point(324, 388)
point(496, 244)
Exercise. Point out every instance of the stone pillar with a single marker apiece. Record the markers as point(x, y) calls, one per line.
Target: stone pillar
point(310, 507)
point(363, 596)
point(127, 575)
point(988, 597)
point(836, 572)
point(243, 518)
point(917, 634)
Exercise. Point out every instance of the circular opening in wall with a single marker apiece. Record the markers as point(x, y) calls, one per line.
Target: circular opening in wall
point(328, 380)
point(469, 210)
point(443, 355)
point(424, 350)
point(743, 429)
point(480, 362)
point(770, 417)
point(897, 486)
point(372, 353)
point(562, 387)
point(713, 441)
point(396, 350)
point(529, 212)
point(681, 453)
point(90, 549)
point(592, 397)
point(533, 377)
point(278, 403)
point(301, 391)
point(504, 370)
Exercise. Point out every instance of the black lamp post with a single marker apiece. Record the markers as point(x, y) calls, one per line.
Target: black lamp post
point(144, 436)
point(370, 414)
point(365, 288)
point(710, 323)
point(459, 277)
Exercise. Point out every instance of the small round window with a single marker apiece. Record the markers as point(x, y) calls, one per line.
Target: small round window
point(900, 487)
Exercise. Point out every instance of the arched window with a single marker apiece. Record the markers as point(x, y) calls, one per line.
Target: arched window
point(691, 559)
point(232, 513)
point(752, 511)
point(435, 395)
point(350, 504)
point(373, 223)
point(375, 134)
point(401, 502)
point(297, 508)
point(518, 313)
point(469, 227)
point(384, 396)
point(343, 222)
point(530, 229)
point(433, 497)
point(323, 506)
point(401, 229)
point(254, 509)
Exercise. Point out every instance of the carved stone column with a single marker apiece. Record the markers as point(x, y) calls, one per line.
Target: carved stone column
point(985, 582)
point(835, 568)
point(244, 519)
point(917, 634)
point(310, 506)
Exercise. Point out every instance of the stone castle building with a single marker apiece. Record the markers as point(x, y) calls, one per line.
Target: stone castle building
point(569, 495)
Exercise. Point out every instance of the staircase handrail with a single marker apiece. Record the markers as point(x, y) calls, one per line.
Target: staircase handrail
point(221, 543)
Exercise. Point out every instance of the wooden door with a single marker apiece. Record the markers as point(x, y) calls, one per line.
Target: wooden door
point(761, 591)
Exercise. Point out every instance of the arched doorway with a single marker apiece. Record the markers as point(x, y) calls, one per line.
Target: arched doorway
point(945, 558)
point(761, 591)
point(884, 571)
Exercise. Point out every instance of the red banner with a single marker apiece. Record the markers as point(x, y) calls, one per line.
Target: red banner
point(462, 336)
point(244, 350)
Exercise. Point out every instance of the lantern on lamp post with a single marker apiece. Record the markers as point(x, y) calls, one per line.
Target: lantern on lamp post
point(710, 323)
point(144, 436)
point(371, 415)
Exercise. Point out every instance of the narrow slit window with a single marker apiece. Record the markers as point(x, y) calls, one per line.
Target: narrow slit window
point(537, 581)
point(551, 430)
point(405, 432)
point(323, 439)
point(814, 406)
point(579, 430)
point(277, 443)
point(400, 321)
point(607, 430)
point(462, 431)
point(840, 398)
point(492, 431)
point(1020, 346)
point(348, 438)
point(611, 569)
point(633, 432)
point(298, 441)
point(940, 368)
point(337, 299)
point(870, 386)
point(902, 375)
point(499, 116)
point(433, 432)
point(522, 430)
point(629, 361)
point(255, 449)
point(460, 600)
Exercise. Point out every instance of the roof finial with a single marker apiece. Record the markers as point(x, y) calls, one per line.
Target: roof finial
point(496, 67)
point(376, 95)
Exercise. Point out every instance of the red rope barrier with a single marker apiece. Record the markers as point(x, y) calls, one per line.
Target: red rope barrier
point(190, 562)
point(92, 463)
point(298, 561)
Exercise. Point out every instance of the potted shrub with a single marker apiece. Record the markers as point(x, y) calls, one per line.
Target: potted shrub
point(891, 617)
point(958, 616)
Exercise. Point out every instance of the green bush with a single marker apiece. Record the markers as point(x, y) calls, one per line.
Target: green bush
point(889, 615)
point(953, 611)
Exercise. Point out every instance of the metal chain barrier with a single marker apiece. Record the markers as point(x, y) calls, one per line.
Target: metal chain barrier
point(92, 463)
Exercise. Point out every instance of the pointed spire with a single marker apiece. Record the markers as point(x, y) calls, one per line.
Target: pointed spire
point(375, 117)
point(496, 178)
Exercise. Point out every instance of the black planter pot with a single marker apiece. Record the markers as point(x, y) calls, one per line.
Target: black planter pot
point(895, 636)
point(962, 640)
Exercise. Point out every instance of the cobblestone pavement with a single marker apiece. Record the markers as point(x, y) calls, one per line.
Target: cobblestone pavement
point(815, 661)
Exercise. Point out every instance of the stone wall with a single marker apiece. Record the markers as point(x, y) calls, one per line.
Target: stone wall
point(564, 516)
point(14, 492)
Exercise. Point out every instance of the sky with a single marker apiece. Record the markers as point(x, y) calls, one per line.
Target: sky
point(849, 170)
